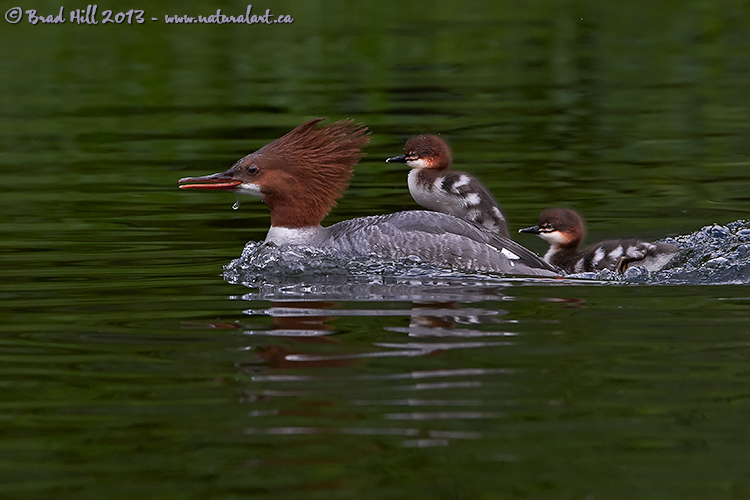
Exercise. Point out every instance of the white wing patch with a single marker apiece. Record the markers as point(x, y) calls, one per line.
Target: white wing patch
point(580, 265)
point(509, 254)
point(462, 181)
point(598, 256)
point(616, 253)
point(639, 250)
point(472, 198)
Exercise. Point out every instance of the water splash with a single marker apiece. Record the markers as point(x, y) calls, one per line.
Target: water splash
point(236, 205)
point(714, 255)
point(717, 254)
point(292, 272)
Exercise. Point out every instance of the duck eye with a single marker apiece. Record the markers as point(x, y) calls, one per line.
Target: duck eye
point(252, 170)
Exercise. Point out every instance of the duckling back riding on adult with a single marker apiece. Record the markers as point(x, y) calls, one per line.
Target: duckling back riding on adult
point(300, 176)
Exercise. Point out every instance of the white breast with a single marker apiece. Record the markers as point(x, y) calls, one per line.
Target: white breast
point(293, 235)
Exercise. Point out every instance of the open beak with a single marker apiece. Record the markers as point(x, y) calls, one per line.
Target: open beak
point(396, 159)
point(222, 181)
point(530, 230)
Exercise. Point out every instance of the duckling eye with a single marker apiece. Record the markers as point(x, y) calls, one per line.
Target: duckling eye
point(546, 227)
point(252, 170)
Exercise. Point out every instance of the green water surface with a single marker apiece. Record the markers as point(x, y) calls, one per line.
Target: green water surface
point(131, 369)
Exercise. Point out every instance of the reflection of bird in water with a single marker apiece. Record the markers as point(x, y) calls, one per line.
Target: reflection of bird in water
point(301, 328)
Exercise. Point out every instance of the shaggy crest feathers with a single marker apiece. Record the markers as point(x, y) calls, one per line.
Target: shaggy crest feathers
point(334, 150)
point(317, 161)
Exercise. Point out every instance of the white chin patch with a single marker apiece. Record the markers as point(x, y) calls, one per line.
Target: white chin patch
point(418, 163)
point(249, 189)
point(554, 237)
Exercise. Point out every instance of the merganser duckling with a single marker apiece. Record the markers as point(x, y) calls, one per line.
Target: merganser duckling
point(300, 176)
point(434, 185)
point(563, 229)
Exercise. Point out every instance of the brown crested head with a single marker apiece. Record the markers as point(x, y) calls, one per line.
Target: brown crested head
point(429, 148)
point(565, 221)
point(301, 174)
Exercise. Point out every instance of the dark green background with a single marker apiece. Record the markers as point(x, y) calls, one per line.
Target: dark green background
point(130, 368)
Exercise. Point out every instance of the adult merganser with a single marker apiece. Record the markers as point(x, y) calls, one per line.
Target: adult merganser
point(563, 229)
point(300, 176)
point(434, 185)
